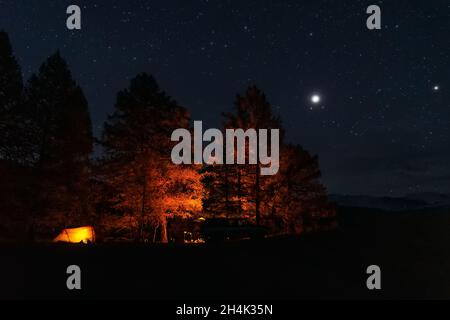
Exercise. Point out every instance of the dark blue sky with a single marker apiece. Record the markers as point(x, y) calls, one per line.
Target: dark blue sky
point(381, 129)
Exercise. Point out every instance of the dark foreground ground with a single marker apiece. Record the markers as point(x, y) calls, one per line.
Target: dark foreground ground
point(412, 249)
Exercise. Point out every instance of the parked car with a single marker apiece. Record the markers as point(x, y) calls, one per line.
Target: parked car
point(224, 229)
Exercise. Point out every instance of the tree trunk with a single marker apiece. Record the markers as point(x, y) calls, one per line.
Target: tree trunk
point(227, 197)
point(257, 199)
point(164, 238)
point(154, 233)
point(239, 193)
point(141, 222)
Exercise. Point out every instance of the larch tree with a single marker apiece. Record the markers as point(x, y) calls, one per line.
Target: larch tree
point(291, 201)
point(136, 159)
point(300, 201)
point(221, 197)
point(253, 111)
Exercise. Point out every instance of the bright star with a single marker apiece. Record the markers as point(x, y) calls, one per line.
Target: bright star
point(436, 88)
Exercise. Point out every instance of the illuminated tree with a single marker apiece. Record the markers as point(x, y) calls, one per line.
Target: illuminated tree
point(290, 201)
point(180, 194)
point(136, 162)
point(222, 194)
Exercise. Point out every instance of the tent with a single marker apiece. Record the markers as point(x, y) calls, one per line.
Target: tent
point(76, 235)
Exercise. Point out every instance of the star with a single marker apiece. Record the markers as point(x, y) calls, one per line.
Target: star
point(436, 88)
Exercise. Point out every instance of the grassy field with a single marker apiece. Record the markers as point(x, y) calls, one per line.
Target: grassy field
point(412, 249)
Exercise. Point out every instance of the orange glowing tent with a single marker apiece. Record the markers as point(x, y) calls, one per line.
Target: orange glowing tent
point(77, 235)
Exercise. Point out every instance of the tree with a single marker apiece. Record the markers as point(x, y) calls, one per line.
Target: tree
point(223, 192)
point(14, 193)
point(11, 87)
point(136, 162)
point(180, 194)
point(290, 201)
point(300, 200)
point(252, 111)
point(59, 129)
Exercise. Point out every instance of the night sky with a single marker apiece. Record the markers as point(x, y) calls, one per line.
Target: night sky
point(382, 126)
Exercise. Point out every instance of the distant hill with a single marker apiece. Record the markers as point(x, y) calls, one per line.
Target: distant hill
point(408, 202)
point(432, 198)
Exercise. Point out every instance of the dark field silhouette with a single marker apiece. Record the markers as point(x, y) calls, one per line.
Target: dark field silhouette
point(411, 249)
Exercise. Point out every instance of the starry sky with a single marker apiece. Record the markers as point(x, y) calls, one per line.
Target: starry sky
point(381, 127)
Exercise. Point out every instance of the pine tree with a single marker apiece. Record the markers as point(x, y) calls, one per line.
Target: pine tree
point(60, 132)
point(136, 162)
